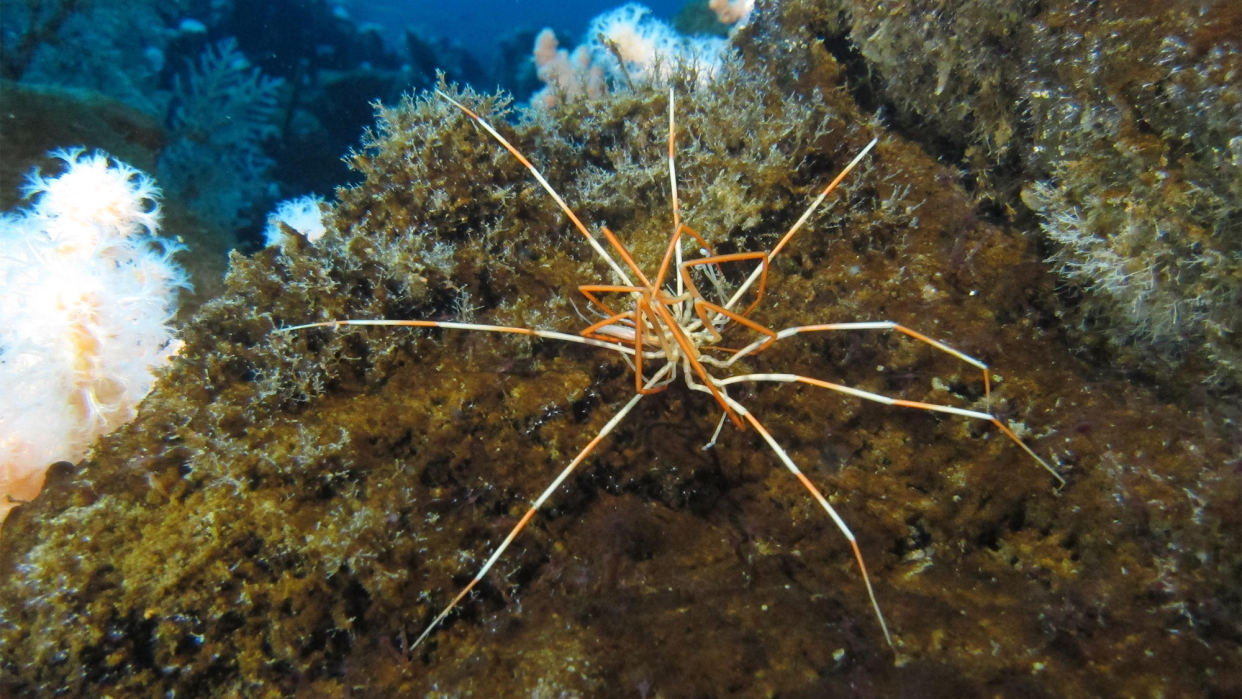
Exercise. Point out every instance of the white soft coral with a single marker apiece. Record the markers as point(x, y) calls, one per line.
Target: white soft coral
point(303, 214)
point(86, 292)
point(625, 44)
point(95, 203)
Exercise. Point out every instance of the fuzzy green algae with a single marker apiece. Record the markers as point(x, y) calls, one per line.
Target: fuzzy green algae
point(289, 510)
point(1121, 124)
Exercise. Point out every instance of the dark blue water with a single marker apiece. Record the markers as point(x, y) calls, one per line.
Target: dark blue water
point(478, 25)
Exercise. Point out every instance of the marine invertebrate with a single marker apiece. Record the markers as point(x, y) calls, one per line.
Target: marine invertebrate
point(624, 45)
point(732, 11)
point(677, 327)
point(302, 214)
point(86, 292)
point(565, 75)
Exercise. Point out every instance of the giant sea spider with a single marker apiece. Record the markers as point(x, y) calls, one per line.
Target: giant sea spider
point(669, 322)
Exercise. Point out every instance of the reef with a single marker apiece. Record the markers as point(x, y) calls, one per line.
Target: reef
point(288, 510)
point(1121, 124)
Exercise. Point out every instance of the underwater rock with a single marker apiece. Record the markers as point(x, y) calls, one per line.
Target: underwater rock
point(290, 509)
point(1120, 122)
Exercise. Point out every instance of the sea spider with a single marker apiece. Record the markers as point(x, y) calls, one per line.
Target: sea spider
point(670, 323)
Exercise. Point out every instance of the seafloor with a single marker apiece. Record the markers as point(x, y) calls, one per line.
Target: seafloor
point(289, 510)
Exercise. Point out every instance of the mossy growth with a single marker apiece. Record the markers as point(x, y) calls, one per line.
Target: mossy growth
point(290, 509)
point(1142, 145)
point(1116, 122)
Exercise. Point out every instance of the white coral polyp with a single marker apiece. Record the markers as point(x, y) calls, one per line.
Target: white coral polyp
point(95, 202)
point(649, 49)
point(303, 214)
point(86, 293)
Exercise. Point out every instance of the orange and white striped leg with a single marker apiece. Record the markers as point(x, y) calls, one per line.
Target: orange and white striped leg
point(885, 400)
point(819, 497)
point(530, 513)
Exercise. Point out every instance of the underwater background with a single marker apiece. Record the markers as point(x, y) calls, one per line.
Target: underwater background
point(1057, 191)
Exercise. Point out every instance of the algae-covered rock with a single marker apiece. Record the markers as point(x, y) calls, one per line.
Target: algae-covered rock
point(1120, 123)
point(289, 510)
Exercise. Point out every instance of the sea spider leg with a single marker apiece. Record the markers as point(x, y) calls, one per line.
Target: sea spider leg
point(763, 258)
point(451, 325)
point(625, 255)
point(737, 317)
point(675, 244)
point(759, 345)
point(901, 403)
point(599, 249)
point(590, 291)
point(627, 333)
point(759, 271)
point(543, 497)
point(674, 248)
point(819, 497)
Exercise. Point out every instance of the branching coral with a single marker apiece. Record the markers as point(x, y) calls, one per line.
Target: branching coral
point(222, 112)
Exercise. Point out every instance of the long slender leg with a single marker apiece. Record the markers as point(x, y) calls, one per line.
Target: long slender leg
point(619, 327)
point(737, 295)
point(599, 249)
point(617, 245)
point(736, 317)
point(674, 246)
point(672, 180)
point(870, 325)
point(450, 325)
point(885, 400)
point(634, 336)
point(819, 497)
point(530, 513)
point(591, 291)
point(733, 257)
point(760, 345)
point(889, 325)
